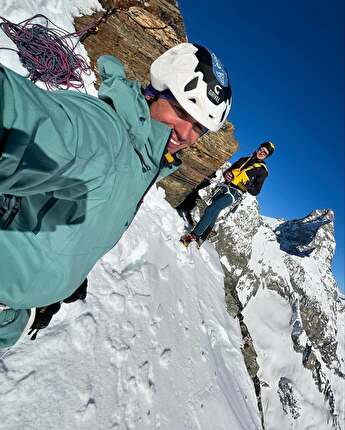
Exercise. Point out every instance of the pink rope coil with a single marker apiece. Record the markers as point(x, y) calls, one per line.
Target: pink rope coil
point(48, 51)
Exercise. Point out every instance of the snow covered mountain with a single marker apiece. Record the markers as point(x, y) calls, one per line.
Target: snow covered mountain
point(279, 283)
point(159, 344)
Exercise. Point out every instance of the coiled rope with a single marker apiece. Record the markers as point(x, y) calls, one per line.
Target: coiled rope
point(48, 52)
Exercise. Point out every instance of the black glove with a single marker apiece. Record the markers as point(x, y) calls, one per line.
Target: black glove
point(42, 318)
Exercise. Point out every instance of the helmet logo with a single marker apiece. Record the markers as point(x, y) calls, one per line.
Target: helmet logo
point(214, 94)
point(219, 71)
point(217, 89)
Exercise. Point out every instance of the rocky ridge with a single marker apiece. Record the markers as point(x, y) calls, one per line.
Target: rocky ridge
point(291, 261)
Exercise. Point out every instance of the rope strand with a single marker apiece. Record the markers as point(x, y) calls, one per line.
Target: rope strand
point(48, 52)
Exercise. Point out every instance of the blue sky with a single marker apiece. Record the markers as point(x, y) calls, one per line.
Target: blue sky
point(286, 66)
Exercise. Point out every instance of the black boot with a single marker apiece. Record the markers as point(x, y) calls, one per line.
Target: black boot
point(187, 217)
point(79, 293)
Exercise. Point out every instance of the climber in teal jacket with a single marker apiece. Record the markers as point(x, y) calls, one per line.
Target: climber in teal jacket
point(73, 168)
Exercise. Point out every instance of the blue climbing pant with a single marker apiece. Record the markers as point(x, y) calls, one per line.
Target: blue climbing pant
point(220, 201)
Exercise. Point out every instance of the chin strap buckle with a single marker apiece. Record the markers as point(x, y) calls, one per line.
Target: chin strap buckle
point(169, 159)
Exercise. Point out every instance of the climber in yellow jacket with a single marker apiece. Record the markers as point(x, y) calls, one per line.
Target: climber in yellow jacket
point(246, 175)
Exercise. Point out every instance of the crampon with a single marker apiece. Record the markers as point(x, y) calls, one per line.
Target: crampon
point(188, 238)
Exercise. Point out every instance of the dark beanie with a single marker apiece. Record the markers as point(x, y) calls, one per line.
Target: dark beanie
point(269, 146)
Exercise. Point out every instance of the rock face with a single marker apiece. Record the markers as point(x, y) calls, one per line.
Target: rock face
point(279, 282)
point(137, 33)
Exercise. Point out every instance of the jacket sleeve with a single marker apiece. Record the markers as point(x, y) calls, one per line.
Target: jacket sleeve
point(256, 182)
point(40, 142)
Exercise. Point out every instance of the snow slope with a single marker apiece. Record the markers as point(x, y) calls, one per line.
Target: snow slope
point(152, 347)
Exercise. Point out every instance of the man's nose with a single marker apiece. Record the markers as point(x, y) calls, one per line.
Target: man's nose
point(183, 130)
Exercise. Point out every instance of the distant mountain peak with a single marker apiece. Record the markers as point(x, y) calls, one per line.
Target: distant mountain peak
point(278, 279)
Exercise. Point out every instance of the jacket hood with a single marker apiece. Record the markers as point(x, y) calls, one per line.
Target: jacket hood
point(148, 137)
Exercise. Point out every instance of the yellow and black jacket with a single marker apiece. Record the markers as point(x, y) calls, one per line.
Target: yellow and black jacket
point(249, 174)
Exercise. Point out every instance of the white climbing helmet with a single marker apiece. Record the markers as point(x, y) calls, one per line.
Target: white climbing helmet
point(198, 81)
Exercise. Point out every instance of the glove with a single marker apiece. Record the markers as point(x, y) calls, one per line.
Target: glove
point(228, 176)
point(42, 319)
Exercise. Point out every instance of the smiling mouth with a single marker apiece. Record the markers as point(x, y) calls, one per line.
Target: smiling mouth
point(174, 142)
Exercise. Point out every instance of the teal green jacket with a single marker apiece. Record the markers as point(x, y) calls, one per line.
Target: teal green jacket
point(79, 166)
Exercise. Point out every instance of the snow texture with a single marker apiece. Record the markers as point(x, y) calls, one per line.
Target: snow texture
point(151, 348)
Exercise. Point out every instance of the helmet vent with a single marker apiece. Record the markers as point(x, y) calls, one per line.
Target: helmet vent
point(211, 116)
point(192, 100)
point(221, 120)
point(191, 84)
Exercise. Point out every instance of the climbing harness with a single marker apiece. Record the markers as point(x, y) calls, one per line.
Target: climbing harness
point(233, 206)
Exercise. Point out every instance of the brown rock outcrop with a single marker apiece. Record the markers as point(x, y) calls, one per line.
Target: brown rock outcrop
point(137, 32)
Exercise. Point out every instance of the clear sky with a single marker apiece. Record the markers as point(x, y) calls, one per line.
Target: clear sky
point(286, 66)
